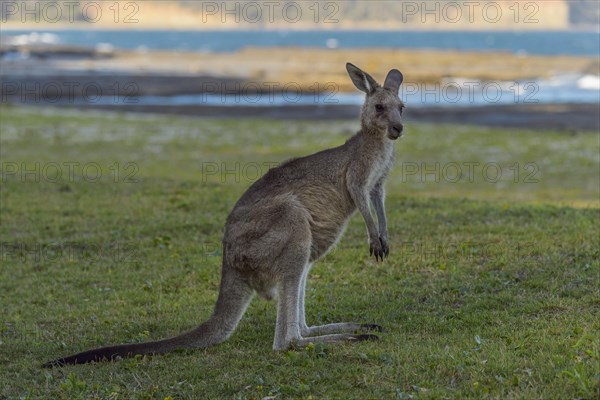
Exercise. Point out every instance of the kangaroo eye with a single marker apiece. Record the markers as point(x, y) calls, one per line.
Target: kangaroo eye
point(379, 108)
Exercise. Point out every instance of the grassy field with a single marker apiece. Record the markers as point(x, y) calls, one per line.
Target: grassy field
point(111, 227)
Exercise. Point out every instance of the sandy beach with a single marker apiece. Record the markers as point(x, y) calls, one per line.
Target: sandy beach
point(303, 66)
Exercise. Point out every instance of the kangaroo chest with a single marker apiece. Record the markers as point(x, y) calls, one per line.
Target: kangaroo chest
point(381, 166)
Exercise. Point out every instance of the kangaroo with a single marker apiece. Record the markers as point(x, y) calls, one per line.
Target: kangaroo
point(287, 220)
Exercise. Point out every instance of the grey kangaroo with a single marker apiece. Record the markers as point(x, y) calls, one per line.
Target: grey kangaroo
point(287, 220)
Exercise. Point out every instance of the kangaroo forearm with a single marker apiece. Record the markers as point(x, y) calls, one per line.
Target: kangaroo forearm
point(363, 207)
point(378, 205)
point(381, 220)
point(369, 221)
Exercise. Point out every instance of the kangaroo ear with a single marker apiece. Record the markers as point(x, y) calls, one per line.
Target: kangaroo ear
point(363, 81)
point(393, 80)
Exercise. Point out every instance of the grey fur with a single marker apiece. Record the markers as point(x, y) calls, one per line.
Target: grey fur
point(286, 221)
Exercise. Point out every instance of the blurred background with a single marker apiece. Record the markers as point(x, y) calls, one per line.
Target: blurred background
point(129, 129)
point(503, 63)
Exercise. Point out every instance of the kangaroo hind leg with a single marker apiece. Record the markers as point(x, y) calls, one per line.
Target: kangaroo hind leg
point(328, 329)
point(291, 330)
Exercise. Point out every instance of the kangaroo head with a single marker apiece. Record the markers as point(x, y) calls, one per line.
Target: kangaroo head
point(382, 111)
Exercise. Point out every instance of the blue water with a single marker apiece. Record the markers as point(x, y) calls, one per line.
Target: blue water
point(562, 89)
point(544, 43)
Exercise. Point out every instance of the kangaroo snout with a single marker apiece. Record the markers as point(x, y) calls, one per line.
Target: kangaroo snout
point(395, 131)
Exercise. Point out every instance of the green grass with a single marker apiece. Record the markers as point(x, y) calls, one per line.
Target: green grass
point(491, 289)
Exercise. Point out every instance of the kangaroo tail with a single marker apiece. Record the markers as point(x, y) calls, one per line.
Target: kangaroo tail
point(234, 297)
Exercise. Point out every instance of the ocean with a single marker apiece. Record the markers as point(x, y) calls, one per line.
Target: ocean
point(582, 43)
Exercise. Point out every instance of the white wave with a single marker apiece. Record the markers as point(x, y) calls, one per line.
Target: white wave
point(589, 82)
point(561, 88)
point(34, 38)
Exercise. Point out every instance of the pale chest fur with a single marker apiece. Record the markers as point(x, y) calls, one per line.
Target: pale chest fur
point(381, 165)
